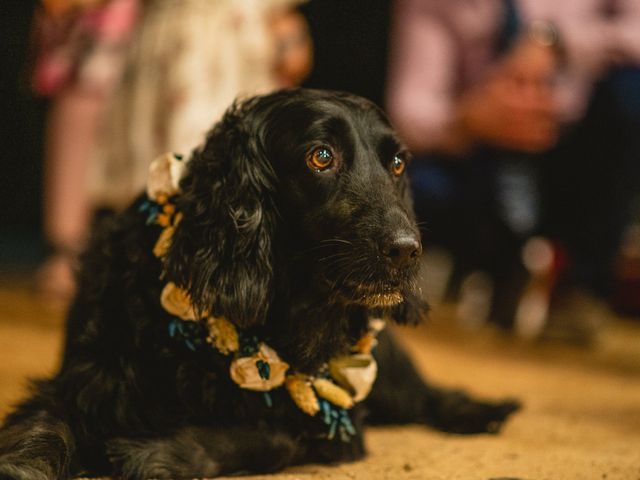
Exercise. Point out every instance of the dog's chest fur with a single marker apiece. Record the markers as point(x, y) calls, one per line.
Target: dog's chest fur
point(169, 384)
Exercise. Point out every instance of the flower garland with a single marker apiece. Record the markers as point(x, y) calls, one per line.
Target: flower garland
point(328, 394)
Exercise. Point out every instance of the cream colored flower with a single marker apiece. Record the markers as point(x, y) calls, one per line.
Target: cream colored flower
point(165, 173)
point(176, 301)
point(356, 373)
point(245, 371)
point(223, 335)
point(376, 325)
point(299, 387)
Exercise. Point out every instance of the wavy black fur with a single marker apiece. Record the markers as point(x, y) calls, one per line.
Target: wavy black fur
point(303, 257)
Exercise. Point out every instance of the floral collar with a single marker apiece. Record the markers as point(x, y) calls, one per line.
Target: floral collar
point(254, 365)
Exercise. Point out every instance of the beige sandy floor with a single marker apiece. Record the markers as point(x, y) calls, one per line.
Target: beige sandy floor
point(581, 418)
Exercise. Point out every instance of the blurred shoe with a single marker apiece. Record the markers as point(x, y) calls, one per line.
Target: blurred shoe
point(474, 301)
point(543, 262)
point(436, 266)
point(548, 309)
point(575, 317)
point(626, 294)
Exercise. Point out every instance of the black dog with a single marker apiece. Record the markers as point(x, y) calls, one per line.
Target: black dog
point(294, 223)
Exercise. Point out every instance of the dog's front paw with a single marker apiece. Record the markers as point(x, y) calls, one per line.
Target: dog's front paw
point(14, 471)
point(336, 451)
point(459, 413)
point(159, 458)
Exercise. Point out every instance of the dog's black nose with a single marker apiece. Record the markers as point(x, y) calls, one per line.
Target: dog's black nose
point(402, 250)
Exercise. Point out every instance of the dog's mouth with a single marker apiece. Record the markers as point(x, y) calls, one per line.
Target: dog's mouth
point(357, 277)
point(386, 299)
point(372, 295)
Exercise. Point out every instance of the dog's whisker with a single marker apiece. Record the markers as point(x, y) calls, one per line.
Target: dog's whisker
point(337, 263)
point(337, 259)
point(348, 264)
point(355, 269)
point(338, 255)
point(326, 244)
point(337, 240)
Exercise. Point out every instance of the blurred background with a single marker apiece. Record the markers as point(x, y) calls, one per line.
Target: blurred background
point(523, 118)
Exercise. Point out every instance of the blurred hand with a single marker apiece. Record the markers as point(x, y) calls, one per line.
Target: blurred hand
point(515, 107)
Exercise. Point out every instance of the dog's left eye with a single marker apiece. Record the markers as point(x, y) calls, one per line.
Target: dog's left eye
point(320, 159)
point(398, 165)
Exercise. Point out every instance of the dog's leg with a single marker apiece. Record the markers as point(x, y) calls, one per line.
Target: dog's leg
point(35, 445)
point(196, 452)
point(401, 396)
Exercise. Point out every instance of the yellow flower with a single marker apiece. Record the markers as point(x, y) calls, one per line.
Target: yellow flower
point(169, 209)
point(176, 301)
point(356, 373)
point(223, 335)
point(164, 240)
point(366, 343)
point(299, 387)
point(332, 392)
point(245, 371)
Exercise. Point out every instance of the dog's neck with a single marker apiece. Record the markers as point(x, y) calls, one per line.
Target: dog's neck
point(308, 323)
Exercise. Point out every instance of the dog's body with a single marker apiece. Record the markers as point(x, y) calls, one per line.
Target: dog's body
point(297, 224)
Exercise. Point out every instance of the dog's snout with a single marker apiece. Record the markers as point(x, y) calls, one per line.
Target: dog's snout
point(403, 250)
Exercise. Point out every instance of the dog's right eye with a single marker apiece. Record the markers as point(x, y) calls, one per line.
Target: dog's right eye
point(320, 159)
point(398, 165)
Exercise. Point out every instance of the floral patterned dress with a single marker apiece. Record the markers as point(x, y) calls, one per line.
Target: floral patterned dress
point(168, 69)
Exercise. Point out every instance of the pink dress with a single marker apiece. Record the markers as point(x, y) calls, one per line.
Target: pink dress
point(81, 42)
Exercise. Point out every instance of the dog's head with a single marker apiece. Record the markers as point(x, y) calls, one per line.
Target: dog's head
point(305, 181)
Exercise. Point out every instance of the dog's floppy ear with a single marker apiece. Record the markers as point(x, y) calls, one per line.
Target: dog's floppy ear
point(221, 251)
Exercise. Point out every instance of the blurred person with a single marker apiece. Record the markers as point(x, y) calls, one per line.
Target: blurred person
point(79, 55)
point(130, 79)
point(511, 109)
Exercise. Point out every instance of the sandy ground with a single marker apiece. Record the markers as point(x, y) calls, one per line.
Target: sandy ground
point(581, 418)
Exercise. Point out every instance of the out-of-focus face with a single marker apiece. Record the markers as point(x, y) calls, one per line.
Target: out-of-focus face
point(293, 48)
